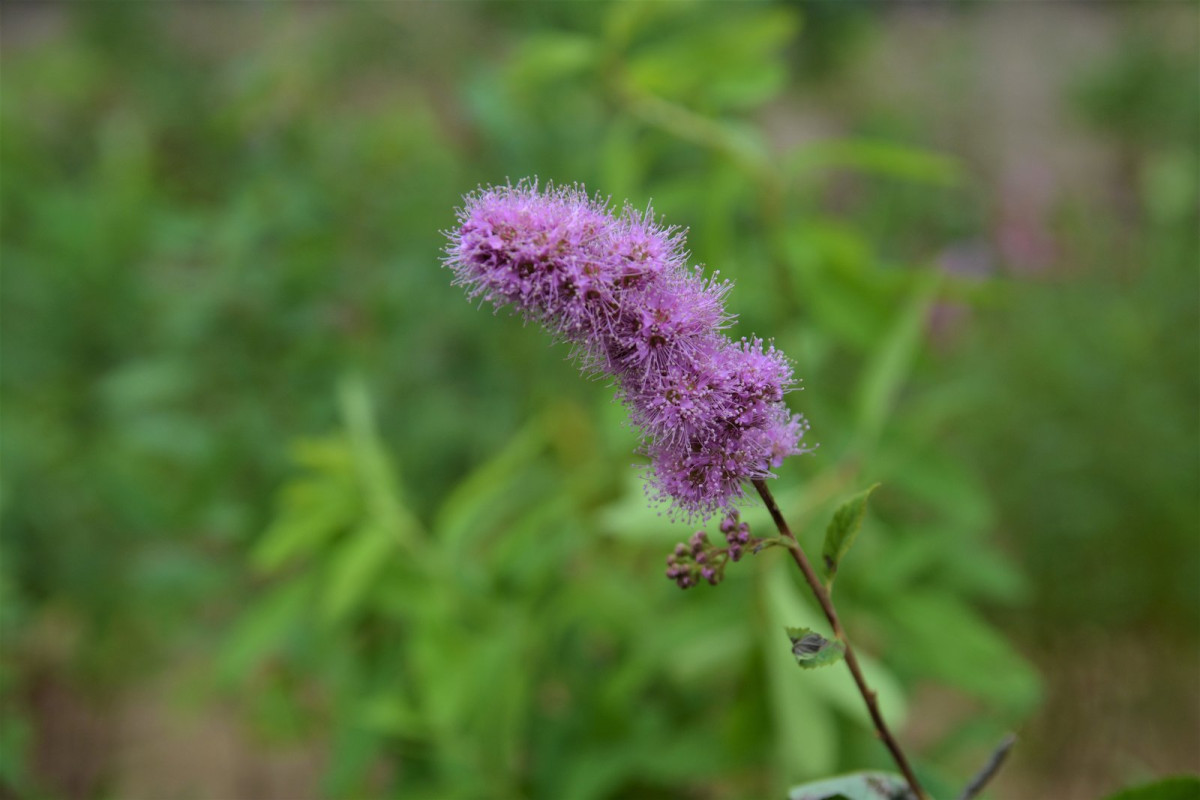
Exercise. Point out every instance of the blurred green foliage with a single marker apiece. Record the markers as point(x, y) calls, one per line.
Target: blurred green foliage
point(1099, 377)
point(220, 286)
point(1177, 788)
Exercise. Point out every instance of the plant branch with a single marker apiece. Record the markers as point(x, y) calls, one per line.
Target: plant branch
point(822, 595)
point(989, 769)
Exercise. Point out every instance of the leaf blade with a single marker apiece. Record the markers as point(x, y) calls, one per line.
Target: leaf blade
point(889, 366)
point(812, 650)
point(843, 530)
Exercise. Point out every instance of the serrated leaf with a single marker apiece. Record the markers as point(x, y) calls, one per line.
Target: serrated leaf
point(813, 650)
point(857, 786)
point(842, 531)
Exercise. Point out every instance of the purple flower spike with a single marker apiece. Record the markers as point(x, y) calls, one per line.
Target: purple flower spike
point(618, 288)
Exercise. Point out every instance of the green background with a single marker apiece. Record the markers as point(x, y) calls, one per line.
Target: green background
point(285, 517)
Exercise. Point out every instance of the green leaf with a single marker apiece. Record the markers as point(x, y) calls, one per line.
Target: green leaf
point(716, 61)
point(473, 506)
point(356, 566)
point(971, 654)
point(547, 58)
point(879, 158)
point(733, 138)
point(381, 489)
point(312, 512)
point(1179, 787)
point(856, 786)
point(840, 282)
point(391, 714)
point(813, 650)
point(891, 363)
point(834, 687)
point(805, 734)
point(842, 531)
point(353, 749)
point(264, 628)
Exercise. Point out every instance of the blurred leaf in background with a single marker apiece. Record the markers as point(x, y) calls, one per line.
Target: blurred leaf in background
point(440, 573)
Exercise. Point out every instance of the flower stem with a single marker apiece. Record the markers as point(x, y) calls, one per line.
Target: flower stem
point(826, 602)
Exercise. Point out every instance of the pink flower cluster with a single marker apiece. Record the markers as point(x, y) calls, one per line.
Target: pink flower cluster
point(618, 288)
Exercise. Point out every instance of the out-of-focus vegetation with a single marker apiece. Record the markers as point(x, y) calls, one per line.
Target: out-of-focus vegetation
point(256, 449)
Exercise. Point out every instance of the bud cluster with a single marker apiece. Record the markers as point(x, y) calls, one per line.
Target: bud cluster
point(737, 534)
point(698, 559)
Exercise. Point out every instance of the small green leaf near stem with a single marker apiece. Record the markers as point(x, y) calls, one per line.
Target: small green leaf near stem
point(813, 650)
point(842, 531)
point(823, 599)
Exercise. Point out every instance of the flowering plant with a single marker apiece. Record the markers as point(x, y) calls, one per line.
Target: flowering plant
point(711, 410)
